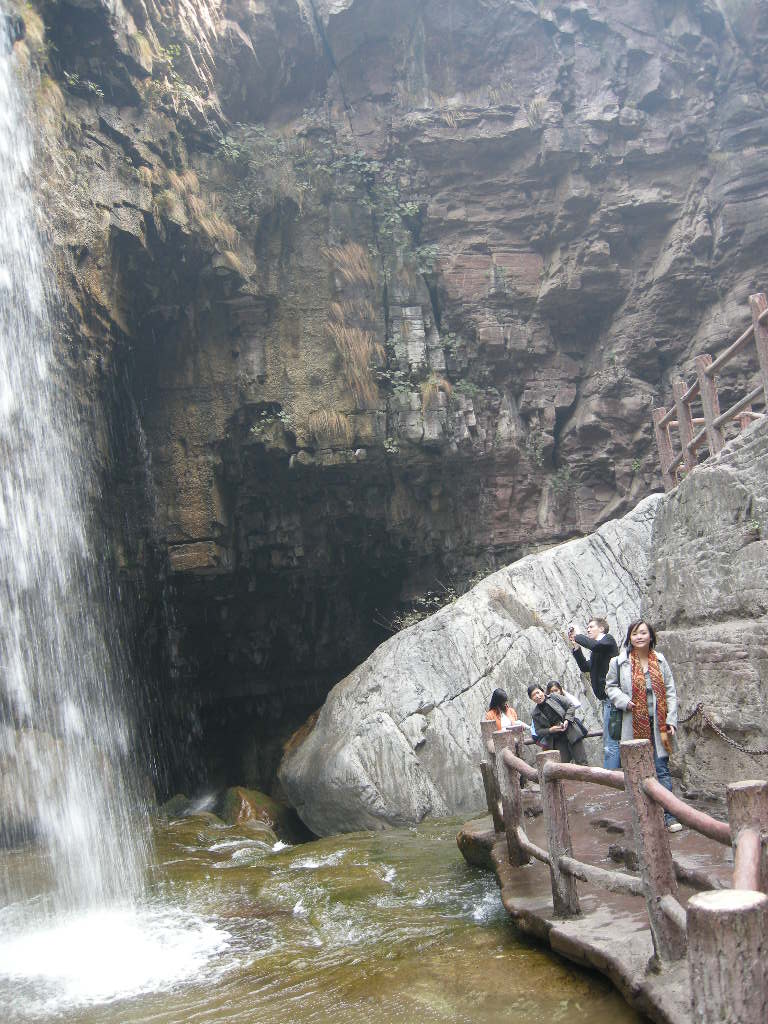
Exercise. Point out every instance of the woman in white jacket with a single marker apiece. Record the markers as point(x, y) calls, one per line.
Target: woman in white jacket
point(640, 683)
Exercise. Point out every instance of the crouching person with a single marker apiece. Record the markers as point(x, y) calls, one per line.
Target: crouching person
point(554, 724)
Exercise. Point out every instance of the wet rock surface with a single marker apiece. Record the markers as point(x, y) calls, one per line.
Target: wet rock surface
point(362, 300)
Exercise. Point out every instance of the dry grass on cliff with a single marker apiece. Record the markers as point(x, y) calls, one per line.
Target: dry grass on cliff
point(185, 184)
point(329, 427)
point(430, 389)
point(359, 351)
point(352, 263)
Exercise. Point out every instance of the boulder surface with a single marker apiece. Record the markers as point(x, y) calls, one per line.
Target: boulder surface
point(398, 740)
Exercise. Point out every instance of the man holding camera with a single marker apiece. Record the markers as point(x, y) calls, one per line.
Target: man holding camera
point(602, 648)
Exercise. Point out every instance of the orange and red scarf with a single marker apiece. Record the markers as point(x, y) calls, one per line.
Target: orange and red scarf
point(641, 723)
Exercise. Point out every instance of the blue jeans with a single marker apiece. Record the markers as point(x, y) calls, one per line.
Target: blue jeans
point(611, 758)
point(661, 764)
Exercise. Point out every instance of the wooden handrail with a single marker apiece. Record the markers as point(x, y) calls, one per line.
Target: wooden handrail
point(708, 826)
point(614, 881)
point(731, 351)
point(531, 848)
point(526, 770)
point(584, 773)
point(719, 915)
point(590, 736)
point(705, 388)
point(698, 440)
point(736, 408)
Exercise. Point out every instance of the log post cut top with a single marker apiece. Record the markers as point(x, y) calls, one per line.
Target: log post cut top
point(565, 896)
point(652, 844)
point(748, 818)
point(727, 961)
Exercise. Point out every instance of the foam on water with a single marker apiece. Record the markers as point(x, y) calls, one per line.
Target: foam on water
point(110, 954)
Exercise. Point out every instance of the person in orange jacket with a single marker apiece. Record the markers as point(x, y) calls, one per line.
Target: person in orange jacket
point(500, 711)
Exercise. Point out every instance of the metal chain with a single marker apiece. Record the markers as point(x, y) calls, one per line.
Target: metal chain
point(706, 719)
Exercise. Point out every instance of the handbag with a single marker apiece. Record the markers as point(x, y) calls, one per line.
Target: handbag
point(615, 720)
point(576, 731)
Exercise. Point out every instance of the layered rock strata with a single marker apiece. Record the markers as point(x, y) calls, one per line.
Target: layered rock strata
point(363, 298)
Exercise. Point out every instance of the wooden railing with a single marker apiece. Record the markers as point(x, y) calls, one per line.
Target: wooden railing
point(711, 424)
point(722, 930)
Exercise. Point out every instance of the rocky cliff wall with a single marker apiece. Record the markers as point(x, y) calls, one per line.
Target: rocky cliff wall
point(366, 296)
point(707, 593)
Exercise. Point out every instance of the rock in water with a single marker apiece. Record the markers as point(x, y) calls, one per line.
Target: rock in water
point(398, 740)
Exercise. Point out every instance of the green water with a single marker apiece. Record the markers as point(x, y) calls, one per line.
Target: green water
point(372, 927)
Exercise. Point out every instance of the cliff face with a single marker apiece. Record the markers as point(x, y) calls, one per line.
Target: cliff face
point(367, 295)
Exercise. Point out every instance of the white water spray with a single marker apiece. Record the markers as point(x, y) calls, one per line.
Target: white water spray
point(65, 747)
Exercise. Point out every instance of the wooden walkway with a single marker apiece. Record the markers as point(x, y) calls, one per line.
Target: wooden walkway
point(681, 929)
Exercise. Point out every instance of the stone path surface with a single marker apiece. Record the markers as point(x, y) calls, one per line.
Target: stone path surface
point(611, 935)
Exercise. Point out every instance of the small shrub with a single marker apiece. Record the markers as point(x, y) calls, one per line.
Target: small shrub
point(534, 446)
point(168, 204)
point(534, 111)
point(430, 389)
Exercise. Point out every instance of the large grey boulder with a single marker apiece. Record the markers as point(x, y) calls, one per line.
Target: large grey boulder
point(398, 739)
point(708, 595)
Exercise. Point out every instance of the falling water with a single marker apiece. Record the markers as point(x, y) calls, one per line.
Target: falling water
point(65, 743)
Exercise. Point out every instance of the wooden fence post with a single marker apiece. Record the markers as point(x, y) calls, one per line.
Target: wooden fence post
point(492, 796)
point(652, 844)
point(664, 447)
point(710, 403)
point(565, 896)
point(511, 796)
point(748, 812)
point(758, 303)
point(684, 423)
point(727, 961)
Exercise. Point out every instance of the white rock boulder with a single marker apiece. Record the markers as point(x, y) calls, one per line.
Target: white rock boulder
point(398, 740)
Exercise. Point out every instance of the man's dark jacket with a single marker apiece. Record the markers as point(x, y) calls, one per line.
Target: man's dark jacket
point(602, 651)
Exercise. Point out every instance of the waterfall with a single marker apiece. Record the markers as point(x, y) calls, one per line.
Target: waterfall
point(66, 775)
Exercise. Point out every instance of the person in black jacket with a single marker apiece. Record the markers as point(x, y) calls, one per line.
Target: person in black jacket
point(554, 725)
point(602, 648)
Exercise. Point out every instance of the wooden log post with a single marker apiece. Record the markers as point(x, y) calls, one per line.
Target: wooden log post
point(748, 813)
point(710, 403)
point(565, 895)
point(487, 767)
point(511, 796)
point(664, 447)
point(652, 844)
point(758, 303)
point(684, 423)
point(727, 961)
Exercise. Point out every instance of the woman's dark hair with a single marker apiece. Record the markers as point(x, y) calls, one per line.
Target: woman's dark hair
point(532, 687)
point(499, 701)
point(633, 626)
point(551, 685)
